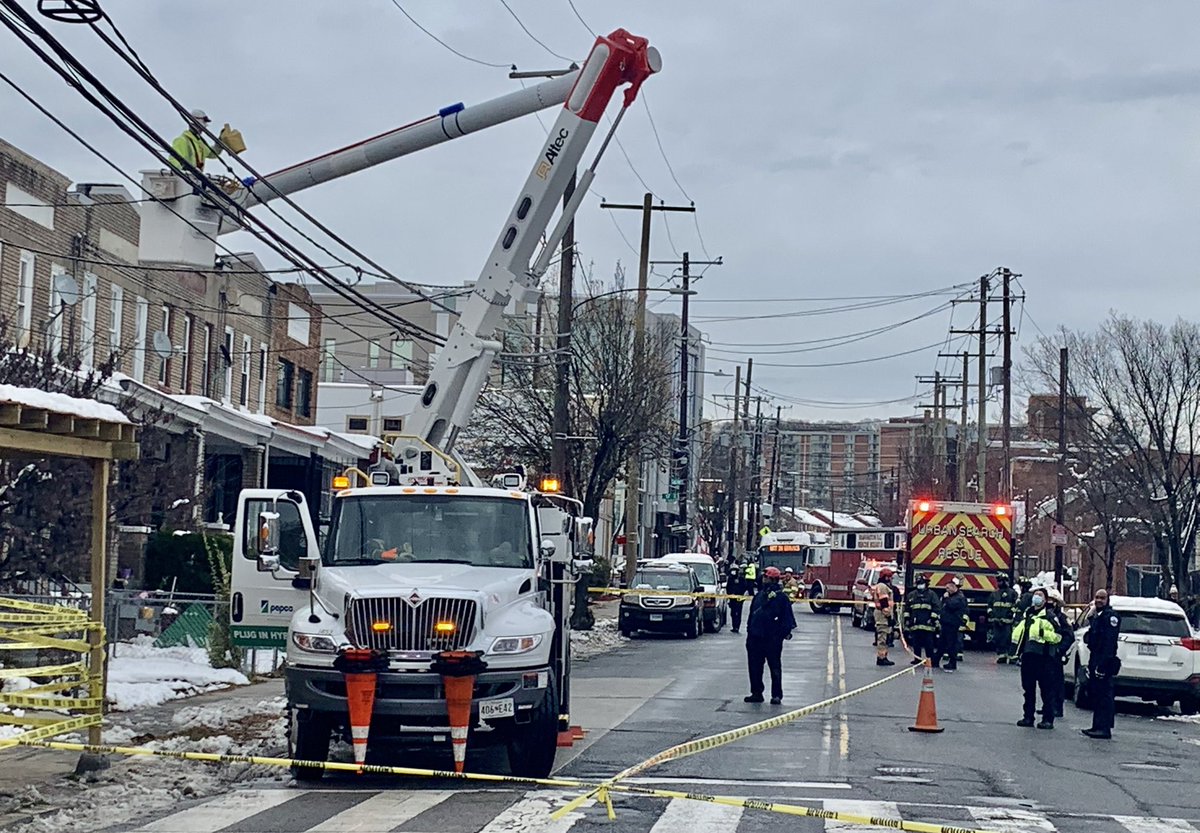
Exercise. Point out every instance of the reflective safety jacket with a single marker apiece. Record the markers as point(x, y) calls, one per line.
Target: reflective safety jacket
point(922, 609)
point(1002, 606)
point(883, 596)
point(193, 149)
point(1035, 633)
point(751, 573)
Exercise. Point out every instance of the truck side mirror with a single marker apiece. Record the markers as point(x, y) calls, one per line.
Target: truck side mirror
point(268, 541)
point(548, 548)
point(585, 534)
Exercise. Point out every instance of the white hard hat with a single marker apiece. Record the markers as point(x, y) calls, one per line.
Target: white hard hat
point(957, 581)
point(789, 570)
point(1053, 593)
point(200, 115)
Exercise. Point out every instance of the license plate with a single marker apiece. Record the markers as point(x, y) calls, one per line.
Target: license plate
point(1148, 650)
point(490, 709)
point(655, 617)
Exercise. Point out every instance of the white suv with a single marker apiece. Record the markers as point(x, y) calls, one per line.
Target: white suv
point(1159, 653)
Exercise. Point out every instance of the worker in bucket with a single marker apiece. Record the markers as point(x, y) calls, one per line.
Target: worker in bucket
point(191, 147)
point(769, 623)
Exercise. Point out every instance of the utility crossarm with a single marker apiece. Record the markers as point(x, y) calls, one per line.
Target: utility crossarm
point(181, 231)
point(461, 367)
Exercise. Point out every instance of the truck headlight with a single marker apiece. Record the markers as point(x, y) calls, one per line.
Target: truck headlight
point(313, 643)
point(515, 644)
point(685, 601)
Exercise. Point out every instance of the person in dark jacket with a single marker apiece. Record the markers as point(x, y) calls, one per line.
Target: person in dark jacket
point(953, 616)
point(769, 623)
point(1001, 612)
point(735, 585)
point(1036, 640)
point(1024, 599)
point(1104, 627)
point(1054, 671)
point(921, 610)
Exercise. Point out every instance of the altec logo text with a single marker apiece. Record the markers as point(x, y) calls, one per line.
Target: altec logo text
point(556, 146)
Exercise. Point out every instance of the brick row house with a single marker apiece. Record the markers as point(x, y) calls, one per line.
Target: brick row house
point(231, 355)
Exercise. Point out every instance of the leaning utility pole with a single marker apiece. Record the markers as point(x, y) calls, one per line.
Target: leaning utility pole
point(746, 421)
point(981, 459)
point(1062, 461)
point(734, 451)
point(633, 473)
point(1006, 419)
point(562, 352)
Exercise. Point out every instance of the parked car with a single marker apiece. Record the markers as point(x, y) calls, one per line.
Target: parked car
point(864, 603)
point(1159, 653)
point(715, 611)
point(642, 610)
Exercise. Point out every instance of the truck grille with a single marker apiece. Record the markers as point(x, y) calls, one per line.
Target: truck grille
point(657, 601)
point(411, 627)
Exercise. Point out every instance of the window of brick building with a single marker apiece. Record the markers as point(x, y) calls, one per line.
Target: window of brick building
point(373, 354)
point(185, 354)
point(262, 377)
point(284, 384)
point(164, 365)
point(206, 361)
point(357, 424)
point(24, 311)
point(304, 388)
point(141, 323)
point(116, 312)
point(247, 350)
point(87, 338)
point(329, 361)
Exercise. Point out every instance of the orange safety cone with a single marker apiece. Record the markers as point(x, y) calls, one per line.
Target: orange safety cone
point(926, 706)
point(360, 668)
point(458, 670)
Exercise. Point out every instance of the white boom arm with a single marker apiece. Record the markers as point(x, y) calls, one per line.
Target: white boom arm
point(461, 367)
point(181, 231)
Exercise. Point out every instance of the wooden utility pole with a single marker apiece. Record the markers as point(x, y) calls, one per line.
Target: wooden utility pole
point(774, 490)
point(1062, 461)
point(633, 470)
point(962, 429)
point(562, 353)
point(734, 452)
point(1006, 419)
point(746, 511)
point(981, 456)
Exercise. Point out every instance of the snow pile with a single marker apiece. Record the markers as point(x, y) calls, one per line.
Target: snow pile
point(1182, 718)
point(60, 403)
point(602, 638)
point(142, 675)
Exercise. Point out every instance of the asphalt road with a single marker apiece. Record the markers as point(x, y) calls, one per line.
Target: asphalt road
point(983, 772)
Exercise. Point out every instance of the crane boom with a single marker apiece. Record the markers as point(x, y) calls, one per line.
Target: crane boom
point(461, 367)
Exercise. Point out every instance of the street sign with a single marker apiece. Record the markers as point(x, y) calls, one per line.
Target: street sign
point(766, 530)
point(1058, 535)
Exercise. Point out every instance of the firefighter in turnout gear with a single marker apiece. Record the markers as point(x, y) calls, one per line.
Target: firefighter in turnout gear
point(1000, 613)
point(1036, 639)
point(884, 604)
point(922, 608)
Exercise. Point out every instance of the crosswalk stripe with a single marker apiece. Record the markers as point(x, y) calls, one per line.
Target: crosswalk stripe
point(222, 812)
point(874, 809)
point(1014, 819)
point(532, 813)
point(1137, 824)
point(390, 808)
point(685, 814)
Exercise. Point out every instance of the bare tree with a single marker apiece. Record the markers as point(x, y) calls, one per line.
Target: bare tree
point(621, 403)
point(1144, 378)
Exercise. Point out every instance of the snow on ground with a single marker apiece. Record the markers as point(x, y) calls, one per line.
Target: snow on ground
point(142, 675)
point(602, 638)
point(1182, 718)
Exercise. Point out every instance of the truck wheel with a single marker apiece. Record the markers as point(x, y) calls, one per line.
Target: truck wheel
point(815, 598)
point(856, 619)
point(1189, 705)
point(697, 626)
point(533, 746)
point(1081, 693)
point(308, 740)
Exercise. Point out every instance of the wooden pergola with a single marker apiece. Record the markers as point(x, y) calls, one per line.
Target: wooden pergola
point(36, 423)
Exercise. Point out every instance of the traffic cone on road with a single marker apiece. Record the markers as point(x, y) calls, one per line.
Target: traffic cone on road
point(360, 667)
point(926, 706)
point(458, 670)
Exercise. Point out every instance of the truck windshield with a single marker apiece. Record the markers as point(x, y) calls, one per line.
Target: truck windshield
point(483, 531)
point(661, 581)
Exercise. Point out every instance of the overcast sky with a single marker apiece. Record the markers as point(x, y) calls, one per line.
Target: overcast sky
point(833, 149)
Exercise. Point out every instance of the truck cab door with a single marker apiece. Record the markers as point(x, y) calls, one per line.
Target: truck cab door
point(263, 595)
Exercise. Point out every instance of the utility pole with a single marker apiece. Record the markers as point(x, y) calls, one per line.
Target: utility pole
point(775, 461)
point(734, 452)
point(962, 429)
point(562, 354)
point(1006, 427)
point(746, 421)
point(941, 385)
point(1062, 460)
point(755, 509)
point(683, 452)
point(981, 459)
point(633, 473)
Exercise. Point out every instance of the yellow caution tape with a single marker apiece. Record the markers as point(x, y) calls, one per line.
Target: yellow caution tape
point(38, 607)
point(561, 783)
point(683, 750)
point(622, 591)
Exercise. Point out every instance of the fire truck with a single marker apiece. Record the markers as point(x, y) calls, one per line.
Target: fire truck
point(969, 541)
point(422, 559)
point(828, 563)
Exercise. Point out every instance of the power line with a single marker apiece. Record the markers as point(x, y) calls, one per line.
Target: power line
point(855, 361)
point(532, 37)
point(883, 301)
point(462, 55)
point(592, 31)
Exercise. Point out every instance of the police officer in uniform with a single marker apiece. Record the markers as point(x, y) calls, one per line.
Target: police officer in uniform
point(770, 622)
point(884, 602)
point(1103, 666)
point(1001, 605)
point(951, 620)
point(922, 608)
point(1036, 639)
point(735, 585)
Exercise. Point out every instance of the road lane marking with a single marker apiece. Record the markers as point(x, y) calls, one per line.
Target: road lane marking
point(874, 809)
point(1137, 824)
point(223, 812)
point(396, 807)
point(682, 814)
point(827, 725)
point(1012, 820)
point(844, 724)
point(743, 782)
point(532, 813)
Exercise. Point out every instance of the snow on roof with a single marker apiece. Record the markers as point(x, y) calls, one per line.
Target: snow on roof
point(1148, 604)
point(805, 517)
point(60, 403)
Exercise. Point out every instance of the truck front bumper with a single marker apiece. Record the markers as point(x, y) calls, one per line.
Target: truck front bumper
point(414, 702)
